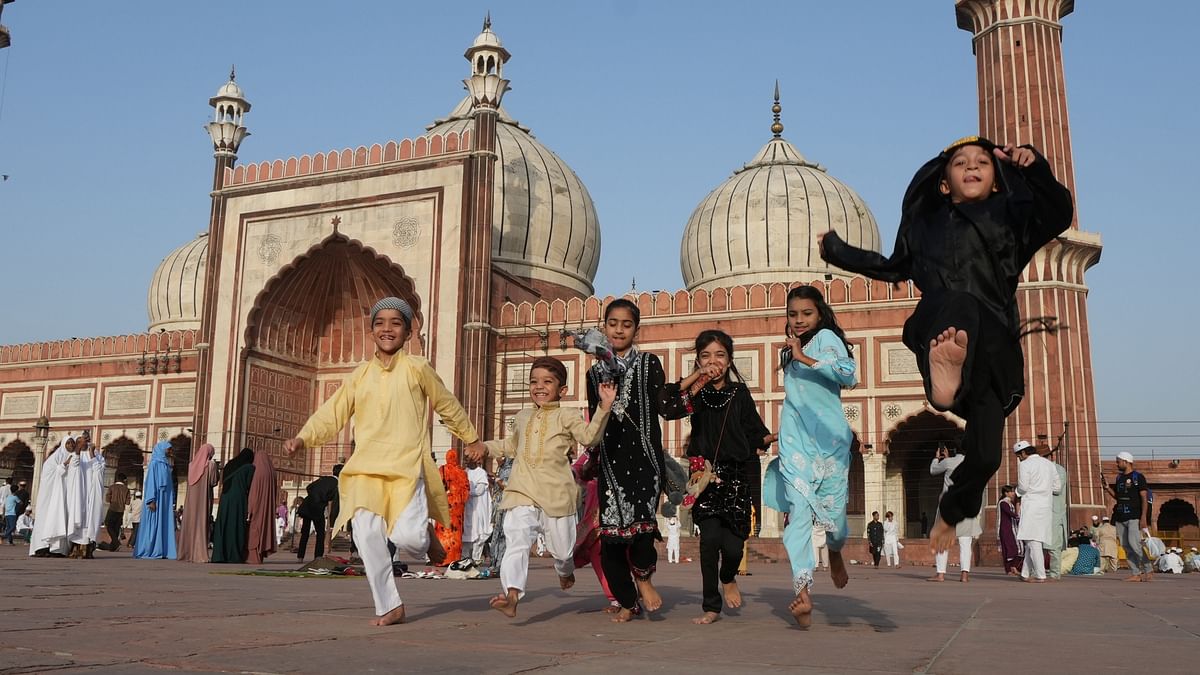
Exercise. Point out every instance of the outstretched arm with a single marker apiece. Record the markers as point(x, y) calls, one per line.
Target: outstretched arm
point(1052, 206)
point(892, 269)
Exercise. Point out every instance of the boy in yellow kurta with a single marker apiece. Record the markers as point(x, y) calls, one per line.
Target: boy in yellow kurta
point(541, 496)
point(390, 487)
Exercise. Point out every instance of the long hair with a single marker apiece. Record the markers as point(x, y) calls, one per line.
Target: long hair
point(824, 313)
point(707, 337)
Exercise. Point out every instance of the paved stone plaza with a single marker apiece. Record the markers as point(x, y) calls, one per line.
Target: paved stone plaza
point(118, 615)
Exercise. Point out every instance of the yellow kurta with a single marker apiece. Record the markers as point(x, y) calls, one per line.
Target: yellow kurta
point(540, 441)
point(390, 407)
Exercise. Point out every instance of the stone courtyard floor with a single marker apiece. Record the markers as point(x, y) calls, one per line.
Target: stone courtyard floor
point(119, 615)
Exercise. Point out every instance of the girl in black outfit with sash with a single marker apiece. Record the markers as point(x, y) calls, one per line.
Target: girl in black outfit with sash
point(727, 432)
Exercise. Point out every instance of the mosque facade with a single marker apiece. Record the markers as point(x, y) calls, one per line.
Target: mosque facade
point(495, 242)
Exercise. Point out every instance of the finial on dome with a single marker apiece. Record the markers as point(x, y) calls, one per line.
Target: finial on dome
point(487, 20)
point(777, 126)
point(233, 73)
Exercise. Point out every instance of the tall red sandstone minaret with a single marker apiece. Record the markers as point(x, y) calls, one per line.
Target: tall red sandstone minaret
point(1023, 99)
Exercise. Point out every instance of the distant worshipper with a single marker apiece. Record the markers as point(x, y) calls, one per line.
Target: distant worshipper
point(477, 521)
point(1058, 523)
point(1037, 481)
point(49, 537)
point(231, 527)
point(971, 220)
point(1191, 562)
point(321, 496)
point(390, 486)
point(196, 525)
point(25, 525)
point(1007, 522)
point(1087, 560)
point(1130, 510)
point(945, 461)
point(117, 497)
point(156, 535)
point(458, 492)
point(1171, 562)
point(891, 540)
point(85, 497)
point(541, 495)
point(8, 507)
point(260, 538)
point(1107, 543)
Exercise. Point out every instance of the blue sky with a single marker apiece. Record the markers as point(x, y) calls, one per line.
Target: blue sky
point(652, 103)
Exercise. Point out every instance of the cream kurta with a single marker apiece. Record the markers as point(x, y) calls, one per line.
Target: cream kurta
point(390, 407)
point(541, 475)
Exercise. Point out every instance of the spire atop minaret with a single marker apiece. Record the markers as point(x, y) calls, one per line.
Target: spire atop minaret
point(777, 126)
point(227, 129)
point(487, 56)
point(233, 76)
point(487, 21)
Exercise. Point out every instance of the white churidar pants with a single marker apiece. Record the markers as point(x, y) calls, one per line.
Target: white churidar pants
point(522, 526)
point(1035, 563)
point(891, 551)
point(942, 558)
point(673, 549)
point(410, 534)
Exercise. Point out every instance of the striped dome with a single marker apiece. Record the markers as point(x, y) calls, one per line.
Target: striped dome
point(759, 226)
point(176, 296)
point(544, 224)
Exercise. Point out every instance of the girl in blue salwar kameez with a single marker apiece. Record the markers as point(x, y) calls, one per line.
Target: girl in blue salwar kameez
point(809, 479)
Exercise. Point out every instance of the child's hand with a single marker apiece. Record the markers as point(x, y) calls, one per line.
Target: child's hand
point(821, 242)
point(475, 452)
point(608, 394)
point(770, 438)
point(1011, 154)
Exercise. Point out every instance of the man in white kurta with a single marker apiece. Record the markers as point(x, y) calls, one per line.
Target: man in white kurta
point(477, 521)
point(49, 536)
point(968, 529)
point(1037, 481)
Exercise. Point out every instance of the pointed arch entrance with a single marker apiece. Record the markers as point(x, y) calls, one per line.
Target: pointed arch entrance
point(307, 330)
point(125, 456)
point(16, 460)
point(911, 447)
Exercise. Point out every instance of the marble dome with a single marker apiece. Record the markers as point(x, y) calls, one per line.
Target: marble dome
point(544, 224)
point(760, 225)
point(176, 296)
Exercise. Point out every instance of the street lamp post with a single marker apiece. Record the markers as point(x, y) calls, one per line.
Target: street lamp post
point(41, 432)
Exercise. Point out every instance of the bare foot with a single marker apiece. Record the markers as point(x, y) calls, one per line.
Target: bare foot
point(650, 597)
point(709, 617)
point(566, 582)
point(947, 352)
point(837, 569)
point(1147, 576)
point(937, 577)
point(733, 596)
point(506, 604)
point(801, 609)
point(942, 536)
point(436, 552)
point(1136, 577)
point(963, 577)
point(613, 608)
point(1032, 580)
point(623, 615)
point(392, 617)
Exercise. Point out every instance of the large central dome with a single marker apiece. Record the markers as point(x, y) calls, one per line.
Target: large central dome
point(760, 225)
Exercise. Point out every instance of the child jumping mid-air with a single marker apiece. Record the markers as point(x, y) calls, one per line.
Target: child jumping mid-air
point(972, 219)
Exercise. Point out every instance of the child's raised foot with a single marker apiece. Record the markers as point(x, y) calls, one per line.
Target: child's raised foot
point(837, 569)
point(733, 595)
point(506, 603)
point(651, 600)
point(709, 617)
point(801, 609)
point(393, 617)
point(436, 552)
point(566, 582)
point(942, 536)
point(947, 352)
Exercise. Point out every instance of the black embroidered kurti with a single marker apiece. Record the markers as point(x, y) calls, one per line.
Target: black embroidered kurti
point(630, 461)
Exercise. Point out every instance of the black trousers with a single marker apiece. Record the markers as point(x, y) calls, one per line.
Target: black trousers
point(992, 386)
point(876, 553)
point(623, 559)
point(319, 525)
point(720, 556)
point(112, 523)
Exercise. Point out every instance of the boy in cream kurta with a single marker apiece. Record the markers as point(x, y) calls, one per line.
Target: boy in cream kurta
point(541, 496)
point(390, 487)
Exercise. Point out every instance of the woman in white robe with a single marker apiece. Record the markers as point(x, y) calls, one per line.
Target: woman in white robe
point(477, 523)
point(94, 506)
point(49, 535)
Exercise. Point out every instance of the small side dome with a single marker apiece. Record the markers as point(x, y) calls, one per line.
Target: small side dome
point(176, 297)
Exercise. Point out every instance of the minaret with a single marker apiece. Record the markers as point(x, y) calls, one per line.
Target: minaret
point(1023, 99)
point(227, 132)
point(486, 86)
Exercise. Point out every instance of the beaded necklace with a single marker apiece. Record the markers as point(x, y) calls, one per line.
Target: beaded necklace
point(723, 397)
